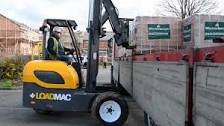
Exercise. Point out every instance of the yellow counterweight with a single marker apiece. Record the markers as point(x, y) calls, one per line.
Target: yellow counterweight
point(63, 71)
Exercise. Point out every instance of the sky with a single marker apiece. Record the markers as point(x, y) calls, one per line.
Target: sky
point(33, 12)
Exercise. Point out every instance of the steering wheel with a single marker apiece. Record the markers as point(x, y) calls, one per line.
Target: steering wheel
point(73, 56)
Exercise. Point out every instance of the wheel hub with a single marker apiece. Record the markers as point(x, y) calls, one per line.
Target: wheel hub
point(110, 111)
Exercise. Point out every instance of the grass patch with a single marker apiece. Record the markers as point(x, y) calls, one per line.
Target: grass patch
point(7, 84)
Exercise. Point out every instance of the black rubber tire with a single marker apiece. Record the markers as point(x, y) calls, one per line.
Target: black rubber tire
point(42, 112)
point(101, 98)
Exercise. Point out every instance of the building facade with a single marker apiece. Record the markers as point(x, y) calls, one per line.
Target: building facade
point(16, 38)
point(103, 46)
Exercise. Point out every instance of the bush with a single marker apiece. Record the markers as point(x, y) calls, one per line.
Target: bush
point(11, 69)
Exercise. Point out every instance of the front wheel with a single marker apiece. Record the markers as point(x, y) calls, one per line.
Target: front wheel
point(110, 109)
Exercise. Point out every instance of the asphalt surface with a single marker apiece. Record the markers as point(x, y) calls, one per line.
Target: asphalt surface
point(104, 74)
point(12, 113)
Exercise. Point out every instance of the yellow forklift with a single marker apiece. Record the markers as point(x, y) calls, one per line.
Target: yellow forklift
point(54, 86)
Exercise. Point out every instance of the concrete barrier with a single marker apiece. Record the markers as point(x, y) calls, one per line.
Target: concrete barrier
point(126, 76)
point(116, 71)
point(123, 74)
point(209, 94)
point(161, 90)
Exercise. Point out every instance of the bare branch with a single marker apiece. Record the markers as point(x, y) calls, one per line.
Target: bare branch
point(186, 8)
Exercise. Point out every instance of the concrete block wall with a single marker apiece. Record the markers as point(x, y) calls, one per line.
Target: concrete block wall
point(116, 71)
point(123, 74)
point(209, 95)
point(160, 89)
point(126, 76)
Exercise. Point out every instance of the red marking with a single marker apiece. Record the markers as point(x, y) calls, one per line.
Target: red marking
point(213, 54)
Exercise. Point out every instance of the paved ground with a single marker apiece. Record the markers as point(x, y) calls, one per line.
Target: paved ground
point(13, 114)
point(104, 75)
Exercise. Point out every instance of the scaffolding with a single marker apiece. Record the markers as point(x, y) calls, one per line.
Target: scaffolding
point(16, 38)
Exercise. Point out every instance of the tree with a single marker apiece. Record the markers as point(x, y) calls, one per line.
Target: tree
point(186, 8)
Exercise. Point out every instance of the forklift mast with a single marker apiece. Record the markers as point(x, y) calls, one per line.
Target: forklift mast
point(97, 18)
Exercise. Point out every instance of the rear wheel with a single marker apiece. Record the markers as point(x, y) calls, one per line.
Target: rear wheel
point(110, 109)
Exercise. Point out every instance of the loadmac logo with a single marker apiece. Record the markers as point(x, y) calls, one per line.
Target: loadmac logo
point(51, 96)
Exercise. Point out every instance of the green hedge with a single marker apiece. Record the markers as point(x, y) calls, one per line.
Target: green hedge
point(12, 68)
